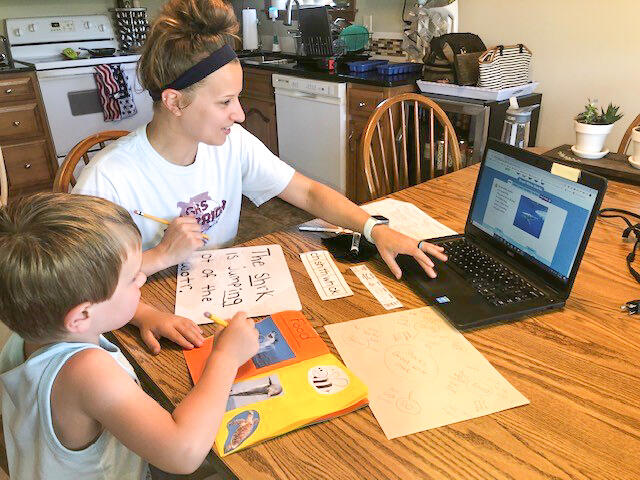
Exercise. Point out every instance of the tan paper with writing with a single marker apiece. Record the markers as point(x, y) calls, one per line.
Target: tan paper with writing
point(255, 280)
point(421, 372)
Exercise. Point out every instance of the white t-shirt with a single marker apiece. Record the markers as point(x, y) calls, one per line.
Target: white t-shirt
point(132, 174)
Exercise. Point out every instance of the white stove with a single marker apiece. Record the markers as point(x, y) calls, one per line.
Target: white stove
point(68, 87)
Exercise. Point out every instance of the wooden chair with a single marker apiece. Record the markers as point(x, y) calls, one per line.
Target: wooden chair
point(626, 139)
point(4, 184)
point(387, 171)
point(65, 180)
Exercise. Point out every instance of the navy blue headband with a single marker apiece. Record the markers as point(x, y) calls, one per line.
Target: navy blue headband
point(200, 70)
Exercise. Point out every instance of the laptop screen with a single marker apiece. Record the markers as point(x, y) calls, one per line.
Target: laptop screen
point(541, 215)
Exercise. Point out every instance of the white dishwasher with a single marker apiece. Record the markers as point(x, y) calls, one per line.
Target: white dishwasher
point(311, 118)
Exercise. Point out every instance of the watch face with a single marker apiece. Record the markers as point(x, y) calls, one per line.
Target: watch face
point(381, 218)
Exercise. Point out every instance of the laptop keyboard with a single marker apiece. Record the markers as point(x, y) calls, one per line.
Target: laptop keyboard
point(497, 283)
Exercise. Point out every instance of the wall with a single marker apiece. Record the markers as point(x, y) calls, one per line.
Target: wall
point(582, 49)
point(387, 14)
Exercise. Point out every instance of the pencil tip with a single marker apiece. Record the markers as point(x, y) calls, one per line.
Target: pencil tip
point(137, 212)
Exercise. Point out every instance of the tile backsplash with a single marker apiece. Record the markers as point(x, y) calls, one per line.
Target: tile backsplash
point(391, 47)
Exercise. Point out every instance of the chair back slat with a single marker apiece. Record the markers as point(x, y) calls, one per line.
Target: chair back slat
point(432, 143)
point(392, 133)
point(445, 162)
point(416, 136)
point(65, 179)
point(626, 139)
point(385, 171)
point(376, 180)
point(386, 188)
point(405, 159)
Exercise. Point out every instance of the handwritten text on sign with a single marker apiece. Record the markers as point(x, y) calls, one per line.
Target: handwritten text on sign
point(255, 280)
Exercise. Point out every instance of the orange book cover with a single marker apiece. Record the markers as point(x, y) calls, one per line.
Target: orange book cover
point(301, 342)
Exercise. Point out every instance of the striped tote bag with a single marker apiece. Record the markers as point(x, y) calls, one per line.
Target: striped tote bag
point(505, 66)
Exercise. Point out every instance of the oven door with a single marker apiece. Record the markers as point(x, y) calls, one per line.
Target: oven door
point(73, 109)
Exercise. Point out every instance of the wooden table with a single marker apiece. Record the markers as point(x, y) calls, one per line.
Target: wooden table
point(579, 367)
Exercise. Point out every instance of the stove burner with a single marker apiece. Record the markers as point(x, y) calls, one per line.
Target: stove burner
point(99, 52)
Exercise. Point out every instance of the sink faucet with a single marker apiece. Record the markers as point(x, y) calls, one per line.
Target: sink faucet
point(288, 22)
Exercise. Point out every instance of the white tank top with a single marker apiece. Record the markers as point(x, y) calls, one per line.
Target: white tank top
point(33, 450)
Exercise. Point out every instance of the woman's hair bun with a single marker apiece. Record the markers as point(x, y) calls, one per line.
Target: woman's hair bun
point(182, 34)
point(203, 17)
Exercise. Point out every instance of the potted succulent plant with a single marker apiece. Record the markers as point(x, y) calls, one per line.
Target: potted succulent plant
point(592, 127)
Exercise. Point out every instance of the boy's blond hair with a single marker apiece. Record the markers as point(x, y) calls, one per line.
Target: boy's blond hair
point(57, 251)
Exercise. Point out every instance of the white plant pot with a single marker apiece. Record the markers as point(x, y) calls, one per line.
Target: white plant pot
point(591, 138)
point(635, 139)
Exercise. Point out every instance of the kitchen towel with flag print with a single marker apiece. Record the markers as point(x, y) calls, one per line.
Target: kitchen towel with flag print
point(114, 93)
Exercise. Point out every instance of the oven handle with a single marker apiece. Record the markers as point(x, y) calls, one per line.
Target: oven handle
point(75, 72)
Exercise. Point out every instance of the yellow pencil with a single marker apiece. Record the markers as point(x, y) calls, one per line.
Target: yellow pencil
point(160, 220)
point(216, 319)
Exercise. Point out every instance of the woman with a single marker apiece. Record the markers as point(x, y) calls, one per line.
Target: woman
point(193, 162)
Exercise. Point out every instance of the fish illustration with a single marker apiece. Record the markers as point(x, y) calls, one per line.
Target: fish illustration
point(244, 430)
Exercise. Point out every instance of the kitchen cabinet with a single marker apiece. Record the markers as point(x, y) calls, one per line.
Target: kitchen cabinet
point(259, 105)
point(25, 138)
point(362, 101)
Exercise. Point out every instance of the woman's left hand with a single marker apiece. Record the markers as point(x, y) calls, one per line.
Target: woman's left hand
point(390, 243)
point(179, 330)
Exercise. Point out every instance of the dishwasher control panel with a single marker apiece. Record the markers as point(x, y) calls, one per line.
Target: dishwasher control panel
point(307, 85)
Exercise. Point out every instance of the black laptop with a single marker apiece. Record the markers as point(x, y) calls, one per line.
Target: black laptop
point(525, 235)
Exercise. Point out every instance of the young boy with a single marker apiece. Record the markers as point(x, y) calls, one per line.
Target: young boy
point(70, 271)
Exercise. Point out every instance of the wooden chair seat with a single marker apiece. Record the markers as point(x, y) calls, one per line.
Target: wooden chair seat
point(398, 152)
point(65, 180)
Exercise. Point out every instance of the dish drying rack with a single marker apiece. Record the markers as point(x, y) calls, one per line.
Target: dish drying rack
point(334, 45)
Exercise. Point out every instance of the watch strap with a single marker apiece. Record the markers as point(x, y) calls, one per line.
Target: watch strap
point(368, 226)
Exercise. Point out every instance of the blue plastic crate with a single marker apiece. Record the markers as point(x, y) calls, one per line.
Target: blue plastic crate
point(365, 65)
point(396, 68)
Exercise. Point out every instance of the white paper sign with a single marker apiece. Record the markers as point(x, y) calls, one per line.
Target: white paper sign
point(255, 280)
point(325, 275)
point(408, 219)
point(375, 286)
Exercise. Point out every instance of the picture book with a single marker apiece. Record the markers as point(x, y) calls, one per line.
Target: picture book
point(292, 381)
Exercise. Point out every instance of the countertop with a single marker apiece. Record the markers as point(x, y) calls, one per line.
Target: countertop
point(342, 74)
point(17, 68)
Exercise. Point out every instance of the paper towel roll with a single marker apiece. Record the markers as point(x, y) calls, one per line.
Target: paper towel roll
point(249, 29)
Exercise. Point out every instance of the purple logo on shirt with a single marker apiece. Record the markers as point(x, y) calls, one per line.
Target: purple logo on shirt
point(205, 210)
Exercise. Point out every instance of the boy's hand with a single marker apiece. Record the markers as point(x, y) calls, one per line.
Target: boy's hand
point(390, 243)
point(181, 238)
point(239, 341)
point(179, 330)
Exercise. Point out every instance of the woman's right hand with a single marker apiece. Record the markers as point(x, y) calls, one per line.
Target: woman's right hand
point(239, 340)
point(181, 238)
